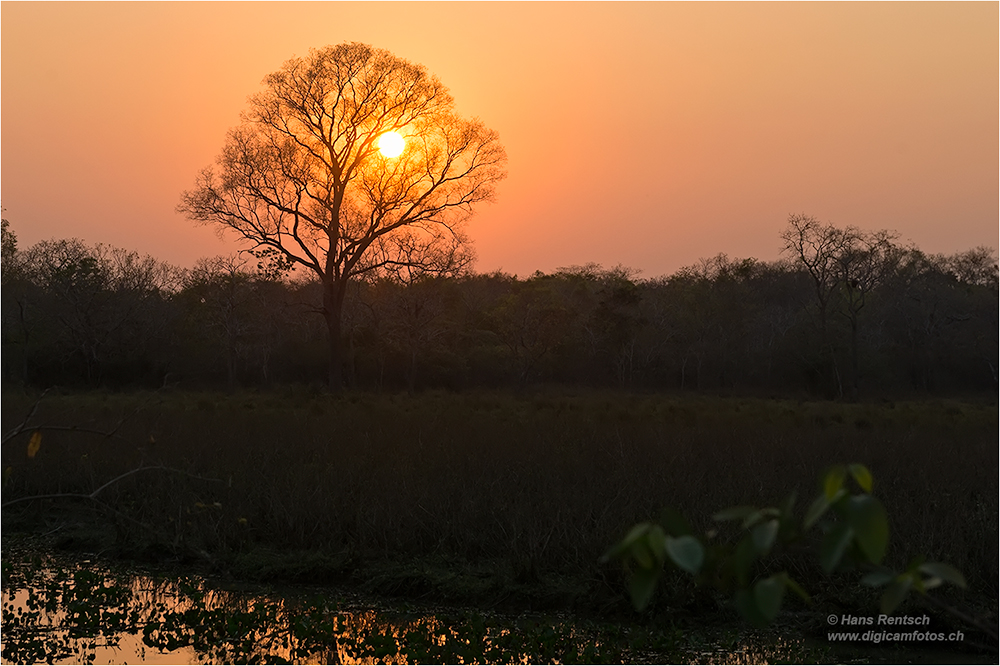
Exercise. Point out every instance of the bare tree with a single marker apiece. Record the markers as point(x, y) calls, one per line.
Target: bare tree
point(865, 262)
point(303, 176)
point(99, 306)
point(846, 266)
point(223, 287)
point(15, 332)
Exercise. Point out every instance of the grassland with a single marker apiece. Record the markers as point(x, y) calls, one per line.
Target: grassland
point(479, 496)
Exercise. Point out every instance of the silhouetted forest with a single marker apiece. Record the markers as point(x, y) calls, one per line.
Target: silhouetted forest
point(858, 316)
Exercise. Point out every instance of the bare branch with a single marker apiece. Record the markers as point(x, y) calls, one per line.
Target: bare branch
point(302, 173)
point(93, 495)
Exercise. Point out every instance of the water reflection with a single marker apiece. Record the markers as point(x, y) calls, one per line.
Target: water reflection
point(86, 614)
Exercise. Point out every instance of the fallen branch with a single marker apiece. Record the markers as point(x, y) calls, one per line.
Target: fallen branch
point(24, 427)
point(93, 496)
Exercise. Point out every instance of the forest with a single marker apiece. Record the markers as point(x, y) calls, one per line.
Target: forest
point(844, 314)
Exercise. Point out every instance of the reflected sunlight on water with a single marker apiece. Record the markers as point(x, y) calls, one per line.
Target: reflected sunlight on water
point(86, 614)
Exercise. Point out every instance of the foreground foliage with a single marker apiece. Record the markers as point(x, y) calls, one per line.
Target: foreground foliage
point(854, 531)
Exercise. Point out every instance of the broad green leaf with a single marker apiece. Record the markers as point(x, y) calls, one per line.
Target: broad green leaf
point(641, 553)
point(635, 534)
point(915, 564)
point(924, 584)
point(34, 443)
point(763, 536)
point(656, 541)
point(734, 513)
point(870, 522)
point(7, 474)
point(862, 476)
point(641, 586)
point(743, 557)
point(821, 506)
point(674, 523)
point(758, 516)
point(877, 578)
point(816, 511)
point(895, 593)
point(625, 544)
point(747, 606)
point(753, 519)
point(686, 552)
point(945, 572)
point(835, 542)
point(767, 594)
point(834, 481)
point(796, 588)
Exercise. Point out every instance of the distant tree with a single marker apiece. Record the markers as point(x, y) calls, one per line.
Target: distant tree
point(699, 324)
point(16, 290)
point(814, 246)
point(94, 311)
point(219, 298)
point(940, 320)
point(532, 322)
point(977, 266)
point(864, 263)
point(302, 175)
point(8, 248)
point(846, 266)
point(616, 320)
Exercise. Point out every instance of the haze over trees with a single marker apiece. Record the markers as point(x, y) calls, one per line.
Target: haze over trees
point(844, 314)
point(303, 181)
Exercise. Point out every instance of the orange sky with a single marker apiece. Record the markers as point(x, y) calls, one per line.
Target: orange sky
point(646, 134)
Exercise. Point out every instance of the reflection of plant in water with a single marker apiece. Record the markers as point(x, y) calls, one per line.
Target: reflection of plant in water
point(51, 613)
point(59, 614)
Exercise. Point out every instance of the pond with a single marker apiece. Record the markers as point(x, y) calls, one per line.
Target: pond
point(83, 612)
point(61, 611)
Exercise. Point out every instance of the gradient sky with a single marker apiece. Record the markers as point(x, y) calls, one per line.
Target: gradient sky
point(645, 134)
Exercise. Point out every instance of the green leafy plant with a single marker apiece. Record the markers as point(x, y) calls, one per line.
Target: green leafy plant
point(845, 528)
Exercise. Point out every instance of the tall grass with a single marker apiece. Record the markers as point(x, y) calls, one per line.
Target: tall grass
point(537, 483)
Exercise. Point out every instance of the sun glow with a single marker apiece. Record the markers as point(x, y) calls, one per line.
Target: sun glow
point(391, 144)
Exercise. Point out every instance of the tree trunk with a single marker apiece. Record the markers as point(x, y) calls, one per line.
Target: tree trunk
point(333, 306)
point(230, 360)
point(351, 362)
point(411, 380)
point(833, 367)
point(856, 366)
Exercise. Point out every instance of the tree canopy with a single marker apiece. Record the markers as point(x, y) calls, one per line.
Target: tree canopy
point(302, 179)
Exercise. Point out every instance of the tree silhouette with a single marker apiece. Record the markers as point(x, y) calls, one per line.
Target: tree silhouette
point(302, 175)
point(846, 266)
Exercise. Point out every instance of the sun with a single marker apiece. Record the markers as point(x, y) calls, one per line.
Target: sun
point(391, 144)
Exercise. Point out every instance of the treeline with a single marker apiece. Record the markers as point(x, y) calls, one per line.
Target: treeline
point(846, 314)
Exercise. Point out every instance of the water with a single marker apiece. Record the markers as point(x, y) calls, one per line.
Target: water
point(59, 612)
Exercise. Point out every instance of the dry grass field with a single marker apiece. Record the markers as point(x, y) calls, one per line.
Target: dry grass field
point(528, 488)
